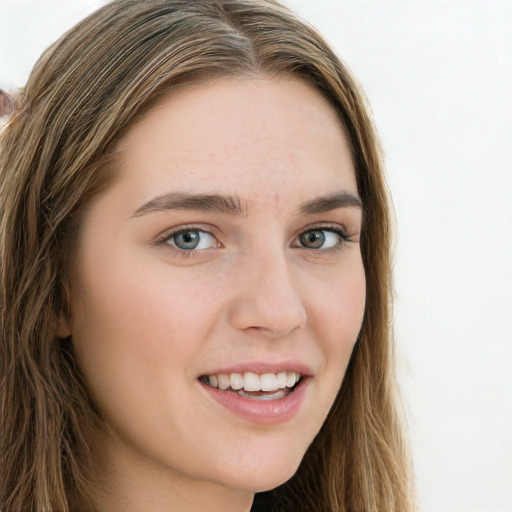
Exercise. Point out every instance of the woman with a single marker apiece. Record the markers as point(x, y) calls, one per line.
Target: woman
point(196, 272)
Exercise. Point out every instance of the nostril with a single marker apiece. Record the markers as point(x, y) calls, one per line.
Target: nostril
point(259, 317)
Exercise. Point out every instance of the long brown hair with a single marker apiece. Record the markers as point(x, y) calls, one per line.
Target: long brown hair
point(58, 151)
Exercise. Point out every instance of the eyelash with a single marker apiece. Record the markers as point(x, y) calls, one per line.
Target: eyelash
point(336, 229)
point(165, 237)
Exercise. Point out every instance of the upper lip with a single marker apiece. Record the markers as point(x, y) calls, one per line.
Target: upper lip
point(261, 367)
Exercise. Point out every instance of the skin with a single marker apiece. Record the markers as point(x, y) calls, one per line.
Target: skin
point(149, 318)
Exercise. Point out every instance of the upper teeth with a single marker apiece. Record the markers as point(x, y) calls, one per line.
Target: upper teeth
point(253, 382)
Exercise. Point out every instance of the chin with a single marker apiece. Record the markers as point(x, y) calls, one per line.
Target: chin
point(262, 473)
point(269, 482)
point(260, 481)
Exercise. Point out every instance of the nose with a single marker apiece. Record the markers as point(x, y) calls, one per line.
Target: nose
point(267, 300)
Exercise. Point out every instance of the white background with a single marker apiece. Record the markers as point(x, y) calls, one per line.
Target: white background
point(439, 77)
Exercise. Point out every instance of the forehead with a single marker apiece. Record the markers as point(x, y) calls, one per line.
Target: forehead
point(250, 137)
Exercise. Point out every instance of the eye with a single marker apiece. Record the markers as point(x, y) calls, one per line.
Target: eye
point(322, 238)
point(191, 239)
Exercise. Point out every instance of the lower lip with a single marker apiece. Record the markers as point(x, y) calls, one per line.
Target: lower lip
point(262, 412)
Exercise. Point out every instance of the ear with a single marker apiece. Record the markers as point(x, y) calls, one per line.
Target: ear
point(63, 326)
point(62, 310)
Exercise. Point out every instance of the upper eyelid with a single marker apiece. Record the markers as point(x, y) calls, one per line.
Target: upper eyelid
point(167, 233)
point(342, 233)
point(210, 229)
point(327, 226)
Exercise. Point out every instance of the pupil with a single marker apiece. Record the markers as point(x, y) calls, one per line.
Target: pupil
point(188, 240)
point(313, 239)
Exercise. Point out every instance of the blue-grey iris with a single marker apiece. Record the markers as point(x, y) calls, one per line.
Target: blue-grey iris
point(188, 240)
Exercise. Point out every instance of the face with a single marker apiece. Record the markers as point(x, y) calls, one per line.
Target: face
point(219, 285)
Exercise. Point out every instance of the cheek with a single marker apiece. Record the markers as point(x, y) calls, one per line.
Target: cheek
point(137, 338)
point(137, 299)
point(336, 316)
point(132, 322)
point(337, 308)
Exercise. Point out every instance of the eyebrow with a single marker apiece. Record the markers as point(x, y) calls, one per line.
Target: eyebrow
point(215, 203)
point(232, 205)
point(331, 202)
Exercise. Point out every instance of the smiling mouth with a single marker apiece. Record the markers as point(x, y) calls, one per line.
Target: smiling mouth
point(266, 386)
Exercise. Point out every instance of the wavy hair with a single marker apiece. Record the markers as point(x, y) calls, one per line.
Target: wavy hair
point(58, 151)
